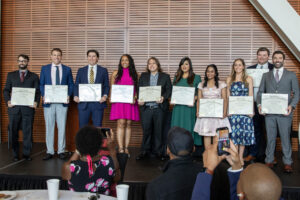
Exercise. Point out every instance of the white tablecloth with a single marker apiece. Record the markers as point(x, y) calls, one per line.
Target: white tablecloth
point(63, 195)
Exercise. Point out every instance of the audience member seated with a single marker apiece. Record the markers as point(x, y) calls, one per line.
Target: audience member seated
point(87, 171)
point(256, 182)
point(179, 174)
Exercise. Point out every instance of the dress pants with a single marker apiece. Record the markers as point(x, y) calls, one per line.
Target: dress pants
point(56, 112)
point(84, 115)
point(152, 124)
point(283, 124)
point(26, 121)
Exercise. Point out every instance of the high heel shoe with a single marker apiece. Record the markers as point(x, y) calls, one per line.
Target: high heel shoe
point(127, 152)
point(121, 150)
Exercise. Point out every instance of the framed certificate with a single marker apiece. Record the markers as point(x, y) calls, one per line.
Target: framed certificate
point(56, 94)
point(183, 95)
point(90, 92)
point(240, 105)
point(211, 108)
point(149, 93)
point(122, 93)
point(22, 96)
point(256, 75)
point(274, 103)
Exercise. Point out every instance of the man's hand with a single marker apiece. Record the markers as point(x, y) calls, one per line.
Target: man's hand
point(259, 110)
point(44, 100)
point(76, 99)
point(103, 99)
point(210, 156)
point(34, 105)
point(289, 110)
point(233, 158)
point(68, 100)
point(141, 103)
point(9, 104)
point(161, 100)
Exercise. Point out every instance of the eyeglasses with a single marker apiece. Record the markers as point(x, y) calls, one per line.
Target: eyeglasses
point(22, 61)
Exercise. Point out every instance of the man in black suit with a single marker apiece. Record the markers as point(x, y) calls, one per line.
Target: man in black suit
point(153, 113)
point(21, 115)
point(257, 150)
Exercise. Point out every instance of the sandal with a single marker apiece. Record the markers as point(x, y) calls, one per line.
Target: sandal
point(121, 150)
point(127, 152)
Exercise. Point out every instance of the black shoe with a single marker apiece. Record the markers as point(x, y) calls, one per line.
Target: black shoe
point(62, 156)
point(48, 156)
point(141, 156)
point(28, 158)
point(16, 158)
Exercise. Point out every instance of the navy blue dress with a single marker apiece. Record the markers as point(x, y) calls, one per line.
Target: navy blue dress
point(241, 125)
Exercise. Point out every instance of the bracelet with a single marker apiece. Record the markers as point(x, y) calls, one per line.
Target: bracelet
point(208, 171)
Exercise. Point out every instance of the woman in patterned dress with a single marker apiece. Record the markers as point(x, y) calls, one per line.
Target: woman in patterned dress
point(240, 84)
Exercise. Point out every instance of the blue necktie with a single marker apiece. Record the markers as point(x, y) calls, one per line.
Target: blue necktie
point(57, 76)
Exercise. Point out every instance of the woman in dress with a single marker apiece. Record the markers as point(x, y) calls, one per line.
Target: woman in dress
point(211, 88)
point(239, 84)
point(124, 113)
point(185, 116)
point(87, 171)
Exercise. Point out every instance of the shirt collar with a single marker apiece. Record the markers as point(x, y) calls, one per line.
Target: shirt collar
point(93, 66)
point(54, 65)
point(265, 66)
point(280, 69)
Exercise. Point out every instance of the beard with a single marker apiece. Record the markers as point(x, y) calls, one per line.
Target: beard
point(278, 64)
point(22, 67)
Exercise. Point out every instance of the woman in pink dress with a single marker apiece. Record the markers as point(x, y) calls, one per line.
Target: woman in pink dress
point(124, 113)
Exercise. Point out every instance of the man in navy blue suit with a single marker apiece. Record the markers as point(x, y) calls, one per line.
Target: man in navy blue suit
point(92, 74)
point(56, 74)
point(257, 150)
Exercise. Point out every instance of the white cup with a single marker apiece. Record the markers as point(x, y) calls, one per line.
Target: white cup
point(122, 191)
point(53, 187)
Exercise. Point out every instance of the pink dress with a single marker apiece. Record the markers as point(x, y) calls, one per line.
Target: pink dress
point(207, 126)
point(125, 110)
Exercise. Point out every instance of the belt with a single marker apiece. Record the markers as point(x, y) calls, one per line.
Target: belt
point(152, 107)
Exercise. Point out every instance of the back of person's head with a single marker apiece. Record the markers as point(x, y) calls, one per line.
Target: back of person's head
point(259, 182)
point(180, 142)
point(220, 186)
point(88, 140)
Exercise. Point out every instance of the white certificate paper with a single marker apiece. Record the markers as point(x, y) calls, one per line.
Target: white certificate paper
point(211, 108)
point(149, 93)
point(56, 94)
point(89, 92)
point(122, 93)
point(22, 96)
point(256, 75)
point(240, 105)
point(183, 95)
point(274, 103)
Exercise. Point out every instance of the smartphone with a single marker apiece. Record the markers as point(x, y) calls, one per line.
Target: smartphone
point(223, 141)
point(105, 132)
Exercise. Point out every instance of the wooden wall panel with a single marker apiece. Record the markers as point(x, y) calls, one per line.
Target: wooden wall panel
point(209, 31)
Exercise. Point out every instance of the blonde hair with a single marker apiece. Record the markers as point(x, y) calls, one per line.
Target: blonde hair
point(233, 73)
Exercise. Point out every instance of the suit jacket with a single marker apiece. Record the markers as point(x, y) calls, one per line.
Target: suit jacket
point(45, 79)
point(31, 80)
point(270, 66)
point(101, 77)
point(287, 83)
point(166, 87)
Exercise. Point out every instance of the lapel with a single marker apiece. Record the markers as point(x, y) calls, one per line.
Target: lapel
point(272, 78)
point(26, 77)
point(85, 75)
point(48, 71)
point(98, 74)
point(159, 79)
point(147, 79)
point(63, 77)
point(283, 75)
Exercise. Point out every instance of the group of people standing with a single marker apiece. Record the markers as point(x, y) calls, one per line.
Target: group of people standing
point(244, 130)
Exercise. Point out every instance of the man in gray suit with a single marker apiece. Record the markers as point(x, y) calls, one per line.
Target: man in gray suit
point(280, 81)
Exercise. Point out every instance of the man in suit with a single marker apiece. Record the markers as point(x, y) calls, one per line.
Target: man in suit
point(153, 113)
point(257, 150)
point(280, 81)
point(21, 115)
point(92, 73)
point(56, 74)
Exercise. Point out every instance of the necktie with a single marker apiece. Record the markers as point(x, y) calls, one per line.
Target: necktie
point(22, 76)
point(261, 66)
point(277, 75)
point(57, 76)
point(92, 76)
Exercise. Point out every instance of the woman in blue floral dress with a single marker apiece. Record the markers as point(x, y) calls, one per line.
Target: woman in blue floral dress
point(239, 84)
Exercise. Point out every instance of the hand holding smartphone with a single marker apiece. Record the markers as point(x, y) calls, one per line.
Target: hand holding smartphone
point(223, 141)
point(105, 132)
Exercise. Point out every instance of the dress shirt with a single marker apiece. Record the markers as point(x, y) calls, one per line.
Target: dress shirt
point(258, 66)
point(280, 72)
point(153, 82)
point(95, 72)
point(53, 73)
point(20, 71)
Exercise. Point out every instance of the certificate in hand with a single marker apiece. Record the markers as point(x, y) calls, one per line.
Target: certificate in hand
point(149, 93)
point(22, 96)
point(183, 95)
point(274, 103)
point(56, 94)
point(90, 92)
point(122, 93)
point(211, 108)
point(256, 75)
point(240, 105)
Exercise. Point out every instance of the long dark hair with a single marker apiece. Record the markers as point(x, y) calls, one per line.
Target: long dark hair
point(216, 76)
point(220, 185)
point(179, 72)
point(132, 71)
